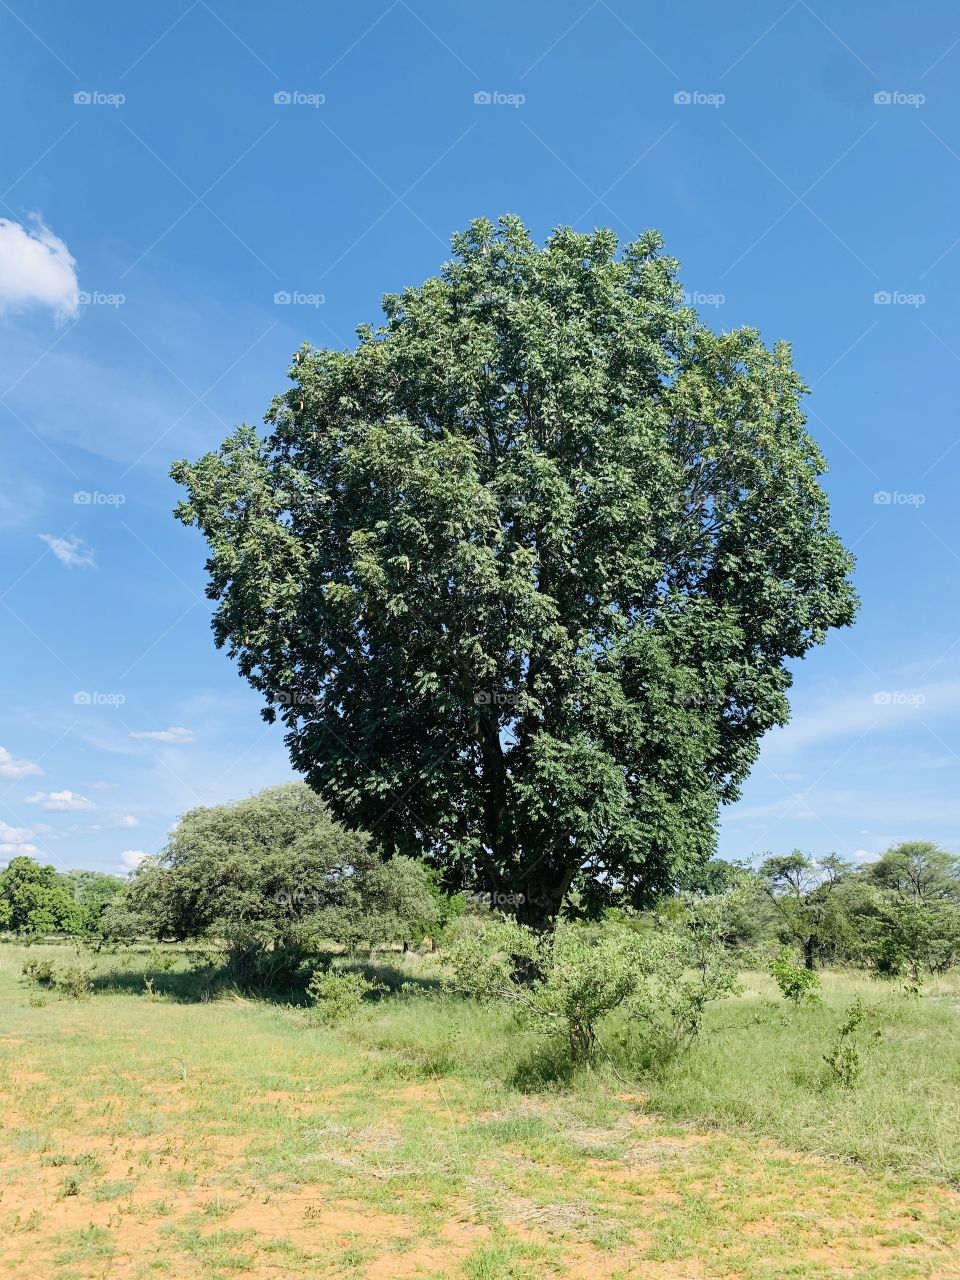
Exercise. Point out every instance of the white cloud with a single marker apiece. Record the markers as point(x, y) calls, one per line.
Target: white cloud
point(125, 820)
point(175, 734)
point(73, 552)
point(863, 855)
point(105, 786)
point(16, 841)
point(11, 767)
point(60, 801)
point(131, 858)
point(14, 835)
point(36, 270)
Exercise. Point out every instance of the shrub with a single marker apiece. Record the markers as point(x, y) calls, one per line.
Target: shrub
point(339, 995)
point(564, 985)
point(40, 971)
point(844, 1057)
point(75, 981)
point(796, 982)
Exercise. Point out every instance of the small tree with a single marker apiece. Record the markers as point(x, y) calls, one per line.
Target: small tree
point(908, 912)
point(798, 984)
point(808, 900)
point(270, 876)
point(93, 891)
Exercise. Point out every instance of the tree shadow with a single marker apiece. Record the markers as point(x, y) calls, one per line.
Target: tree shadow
point(216, 981)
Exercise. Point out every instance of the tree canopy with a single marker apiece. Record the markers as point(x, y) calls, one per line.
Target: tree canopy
point(35, 899)
point(522, 573)
point(270, 875)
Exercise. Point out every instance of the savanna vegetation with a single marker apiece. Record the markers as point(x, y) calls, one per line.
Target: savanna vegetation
point(522, 576)
point(272, 1050)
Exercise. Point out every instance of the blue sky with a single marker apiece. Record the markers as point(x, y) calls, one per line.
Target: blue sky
point(181, 164)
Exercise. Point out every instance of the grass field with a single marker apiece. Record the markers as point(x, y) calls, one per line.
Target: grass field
point(166, 1135)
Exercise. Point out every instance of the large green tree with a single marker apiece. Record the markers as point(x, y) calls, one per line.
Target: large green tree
point(522, 573)
point(35, 899)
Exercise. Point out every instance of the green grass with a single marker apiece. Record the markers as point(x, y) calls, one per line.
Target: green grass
point(196, 1133)
point(760, 1067)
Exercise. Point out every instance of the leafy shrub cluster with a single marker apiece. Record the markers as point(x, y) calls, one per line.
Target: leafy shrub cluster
point(797, 983)
point(73, 980)
point(338, 995)
point(659, 980)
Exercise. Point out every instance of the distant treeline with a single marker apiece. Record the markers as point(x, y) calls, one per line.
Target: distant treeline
point(273, 875)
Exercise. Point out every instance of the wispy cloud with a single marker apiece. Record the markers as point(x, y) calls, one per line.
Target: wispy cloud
point(36, 270)
point(175, 734)
point(73, 552)
point(11, 767)
point(874, 711)
point(126, 821)
point(60, 801)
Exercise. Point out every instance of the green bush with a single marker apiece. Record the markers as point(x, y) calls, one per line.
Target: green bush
point(75, 981)
point(565, 984)
point(797, 983)
point(338, 995)
point(845, 1059)
point(40, 971)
